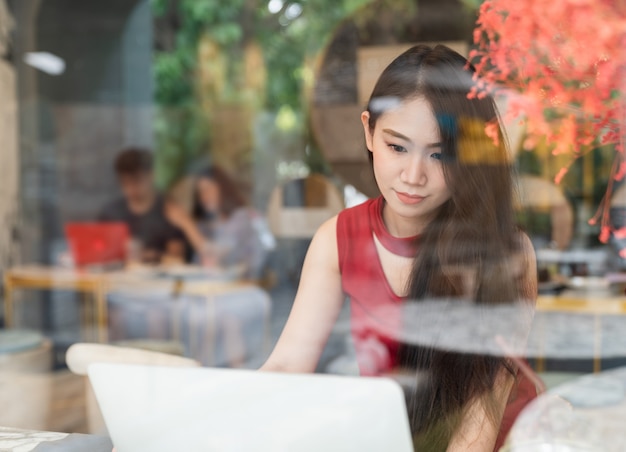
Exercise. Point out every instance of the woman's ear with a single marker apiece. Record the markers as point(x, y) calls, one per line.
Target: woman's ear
point(365, 120)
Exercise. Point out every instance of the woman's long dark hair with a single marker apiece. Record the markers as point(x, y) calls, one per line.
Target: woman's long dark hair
point(474, 230)
point(230, 196)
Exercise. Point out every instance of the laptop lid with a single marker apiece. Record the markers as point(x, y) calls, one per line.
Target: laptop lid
point(156, 409)
point(97, 243)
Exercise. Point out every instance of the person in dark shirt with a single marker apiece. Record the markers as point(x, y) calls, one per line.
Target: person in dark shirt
point(160, 230)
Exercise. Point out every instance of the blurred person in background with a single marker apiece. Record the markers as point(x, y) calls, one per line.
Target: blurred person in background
point(161, 232)
point(544, 212)
point(236, 234)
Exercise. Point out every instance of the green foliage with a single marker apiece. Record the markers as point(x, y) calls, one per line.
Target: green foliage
point(159, 7)
point(472, 5)
point(286, 40)
point(174, 86)
point(306, 35)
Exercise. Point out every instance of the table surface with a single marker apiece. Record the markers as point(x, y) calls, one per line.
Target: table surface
point(17, 440)
point(196, 280)
point(546, 255)
point(193, 280)
point(507, 329)
point(588, 302)
point(586, 414)
point(559, 329)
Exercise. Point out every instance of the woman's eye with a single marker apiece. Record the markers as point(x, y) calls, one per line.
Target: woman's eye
point(397, 148)
point(436, 155)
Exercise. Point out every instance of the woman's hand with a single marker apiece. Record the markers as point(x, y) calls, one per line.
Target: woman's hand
point(177, 216)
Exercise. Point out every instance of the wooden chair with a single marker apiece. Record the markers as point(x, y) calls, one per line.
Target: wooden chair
point(298, 208)
point(295, 211)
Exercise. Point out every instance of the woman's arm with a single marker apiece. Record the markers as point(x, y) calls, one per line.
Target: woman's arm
point(316, 307)
point(479, 429)
point(179, 218)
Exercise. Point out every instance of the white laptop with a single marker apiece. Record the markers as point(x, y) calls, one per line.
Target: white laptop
point(154, 409)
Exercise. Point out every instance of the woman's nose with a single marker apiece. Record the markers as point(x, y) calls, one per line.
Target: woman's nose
point(414, 173)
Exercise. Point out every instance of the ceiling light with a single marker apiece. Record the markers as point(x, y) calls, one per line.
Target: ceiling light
point(45, 62)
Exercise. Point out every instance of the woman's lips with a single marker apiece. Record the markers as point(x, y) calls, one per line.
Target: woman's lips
point(407, 198)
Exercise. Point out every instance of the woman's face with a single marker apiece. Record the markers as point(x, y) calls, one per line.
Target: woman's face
point(209, 194)
point(406, 149)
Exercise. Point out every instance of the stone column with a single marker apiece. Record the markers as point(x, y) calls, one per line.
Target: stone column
point(28, 236)
point(8, 151)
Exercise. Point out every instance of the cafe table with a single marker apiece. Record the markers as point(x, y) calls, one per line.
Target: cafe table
point(17, 440)
point(580, 324)
point(572, 326)
point(583, 415)
point(96, 284)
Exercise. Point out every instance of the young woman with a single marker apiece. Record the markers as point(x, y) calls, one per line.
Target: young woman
point(443, 228)
point(235, 233)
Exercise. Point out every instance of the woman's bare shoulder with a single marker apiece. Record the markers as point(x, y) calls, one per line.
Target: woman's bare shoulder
point(526, 245)
point(325, 240)
point(328, 228)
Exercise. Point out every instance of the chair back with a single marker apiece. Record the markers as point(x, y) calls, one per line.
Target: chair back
point(299, 207)
point(80, 356)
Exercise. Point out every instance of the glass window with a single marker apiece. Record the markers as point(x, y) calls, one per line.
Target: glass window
point(426, 192)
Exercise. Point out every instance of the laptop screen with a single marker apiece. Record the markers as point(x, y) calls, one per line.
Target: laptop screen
point(97, 243)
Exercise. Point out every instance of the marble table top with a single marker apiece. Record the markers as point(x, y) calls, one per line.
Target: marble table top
point(501, 330)
point(25, 440)
point(587, 414)
point(16, 440)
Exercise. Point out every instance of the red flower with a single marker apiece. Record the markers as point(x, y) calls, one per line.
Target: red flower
point(560, 175)
point(621, 172)
point(565, 62)
point(605, 234)
point(620, 233)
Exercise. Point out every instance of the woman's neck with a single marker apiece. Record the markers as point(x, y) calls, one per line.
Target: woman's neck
point(400, 226)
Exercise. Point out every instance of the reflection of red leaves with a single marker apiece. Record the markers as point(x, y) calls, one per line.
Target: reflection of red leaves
point(562, 65)
point(492, 130)
point(564, 56)
point(605, 234)
point(620, 233)
point(560, 175)
point(622, 253)
point(621, 172)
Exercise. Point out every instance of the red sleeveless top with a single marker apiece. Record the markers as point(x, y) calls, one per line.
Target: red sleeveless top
point(364, 281)
point(374, 307)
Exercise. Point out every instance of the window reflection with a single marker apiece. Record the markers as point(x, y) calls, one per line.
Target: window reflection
point(170, 169)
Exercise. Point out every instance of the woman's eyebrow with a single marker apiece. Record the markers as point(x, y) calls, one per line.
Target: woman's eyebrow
point(397, 135)
point(407, 139)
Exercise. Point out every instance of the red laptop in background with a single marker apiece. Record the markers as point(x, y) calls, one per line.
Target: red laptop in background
point(97, 243)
